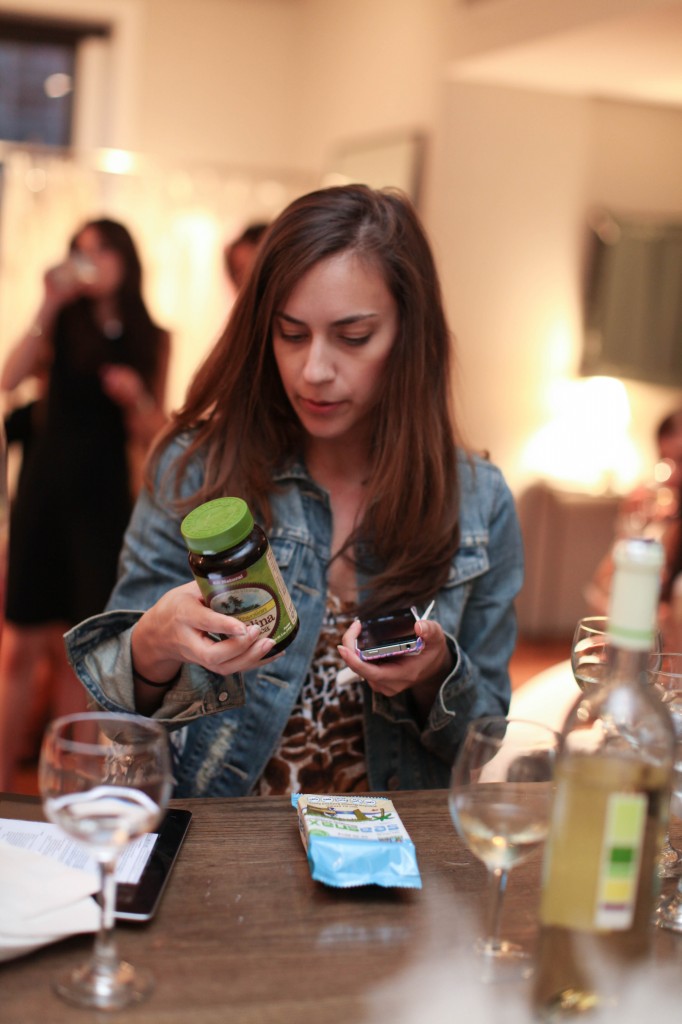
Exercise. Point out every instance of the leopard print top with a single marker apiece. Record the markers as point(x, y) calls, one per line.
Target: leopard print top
point(322, 749)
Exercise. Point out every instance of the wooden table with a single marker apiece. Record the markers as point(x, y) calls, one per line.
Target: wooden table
point(244, 936)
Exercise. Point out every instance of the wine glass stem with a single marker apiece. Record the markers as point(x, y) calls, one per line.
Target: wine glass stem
point(105, 954)
point(497, 890)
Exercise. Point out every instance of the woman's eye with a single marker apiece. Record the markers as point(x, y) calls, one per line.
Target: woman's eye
point(291, 336)
point(355, 339)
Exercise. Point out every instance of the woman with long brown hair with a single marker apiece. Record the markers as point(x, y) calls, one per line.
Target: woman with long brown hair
point(326, 406)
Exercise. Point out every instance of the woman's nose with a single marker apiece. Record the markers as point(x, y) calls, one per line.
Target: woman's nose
point(319, 364)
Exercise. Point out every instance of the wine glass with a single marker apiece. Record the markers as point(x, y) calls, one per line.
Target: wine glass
point(665, 675)
point(105, 780)
point(500, 798)
point(590, 651)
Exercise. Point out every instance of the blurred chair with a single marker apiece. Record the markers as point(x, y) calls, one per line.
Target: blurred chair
point(565, 535)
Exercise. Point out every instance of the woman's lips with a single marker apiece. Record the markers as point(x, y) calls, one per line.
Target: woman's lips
point(318, 407)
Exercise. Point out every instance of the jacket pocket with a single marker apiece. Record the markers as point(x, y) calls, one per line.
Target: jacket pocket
point(283, 550)
point(471, 561)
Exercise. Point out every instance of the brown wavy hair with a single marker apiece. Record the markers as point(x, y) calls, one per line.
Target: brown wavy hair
point(245, 427)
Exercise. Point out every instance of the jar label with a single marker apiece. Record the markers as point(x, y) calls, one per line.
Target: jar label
point(255, 596)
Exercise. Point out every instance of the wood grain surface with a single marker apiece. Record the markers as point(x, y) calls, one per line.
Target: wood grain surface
point(244, 936)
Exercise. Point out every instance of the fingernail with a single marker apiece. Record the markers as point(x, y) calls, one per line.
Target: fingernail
point(267, 645)
point(253, 631)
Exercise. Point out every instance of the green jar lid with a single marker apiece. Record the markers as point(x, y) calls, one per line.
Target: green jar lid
point(217, 525)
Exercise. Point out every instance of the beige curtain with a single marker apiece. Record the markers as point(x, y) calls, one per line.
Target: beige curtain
point(180, 217)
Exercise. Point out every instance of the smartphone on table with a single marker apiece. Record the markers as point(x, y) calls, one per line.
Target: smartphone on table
point(387, 635)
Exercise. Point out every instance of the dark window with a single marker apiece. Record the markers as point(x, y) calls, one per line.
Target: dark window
point(633, 307)
point(38, 78)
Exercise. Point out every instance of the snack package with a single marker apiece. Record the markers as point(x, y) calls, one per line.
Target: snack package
point(356, 840)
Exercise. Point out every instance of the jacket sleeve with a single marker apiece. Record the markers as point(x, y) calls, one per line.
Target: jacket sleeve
point(482, 642)
point(153, 560)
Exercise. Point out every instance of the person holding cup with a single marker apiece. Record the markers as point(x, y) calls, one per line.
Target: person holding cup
point(105, 361)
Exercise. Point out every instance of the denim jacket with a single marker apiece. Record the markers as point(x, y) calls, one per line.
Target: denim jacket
point(232, 725)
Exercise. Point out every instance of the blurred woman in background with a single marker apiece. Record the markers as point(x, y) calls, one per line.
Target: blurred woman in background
point(106, 362)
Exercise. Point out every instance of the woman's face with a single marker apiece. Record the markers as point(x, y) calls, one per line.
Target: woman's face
point(104, 268)
point(332, 339)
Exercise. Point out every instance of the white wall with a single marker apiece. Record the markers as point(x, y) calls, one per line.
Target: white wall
point(516, 175)
point(367, 68)
point(218, 80)
point(509, 192)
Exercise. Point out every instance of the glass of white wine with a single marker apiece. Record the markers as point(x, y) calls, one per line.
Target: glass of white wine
point(669, 909)
point(500, 799)
point(665, 675)
point(105, 779)
point(590, 651)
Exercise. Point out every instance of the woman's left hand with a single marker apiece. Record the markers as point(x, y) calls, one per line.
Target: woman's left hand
point(422, 673)
point(124, 385)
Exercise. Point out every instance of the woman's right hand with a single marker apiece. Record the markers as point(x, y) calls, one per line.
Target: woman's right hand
point(175, 630)
point(62, 284)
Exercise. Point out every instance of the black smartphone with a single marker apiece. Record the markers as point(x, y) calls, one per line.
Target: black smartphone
point(139, 902)
point(387, 635)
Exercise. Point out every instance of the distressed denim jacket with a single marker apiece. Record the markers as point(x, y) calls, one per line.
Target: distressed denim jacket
point(225, 729)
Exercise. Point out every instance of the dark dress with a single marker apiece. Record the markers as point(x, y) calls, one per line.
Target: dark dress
point(73, 496)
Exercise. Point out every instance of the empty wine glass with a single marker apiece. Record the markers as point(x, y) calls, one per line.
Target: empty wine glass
point(665, 675)
point(590, 650)
point(105, 780)
point(500, 798)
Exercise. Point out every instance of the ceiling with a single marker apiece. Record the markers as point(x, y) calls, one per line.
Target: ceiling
point(635, 58)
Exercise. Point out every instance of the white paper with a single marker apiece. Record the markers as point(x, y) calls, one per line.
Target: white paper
point(42, 901)
point(48, 840)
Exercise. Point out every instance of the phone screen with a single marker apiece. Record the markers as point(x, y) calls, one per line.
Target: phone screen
point(388, 634)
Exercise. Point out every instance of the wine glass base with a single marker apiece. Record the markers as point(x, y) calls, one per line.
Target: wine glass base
point(90, 986)
point(503, 960)
point(670, 864)
point(669, 912)
point(669, 870)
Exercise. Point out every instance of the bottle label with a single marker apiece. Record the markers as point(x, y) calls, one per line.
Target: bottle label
point(621, 857)
point(598, 841)
point(257, 595)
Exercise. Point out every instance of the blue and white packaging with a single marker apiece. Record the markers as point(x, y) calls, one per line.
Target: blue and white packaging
point(356, 840)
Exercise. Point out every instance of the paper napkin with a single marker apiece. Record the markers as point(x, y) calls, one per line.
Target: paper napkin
point(42, 901)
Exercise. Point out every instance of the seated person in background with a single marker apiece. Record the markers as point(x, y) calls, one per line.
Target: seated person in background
point(670, 612)
point(326, 405)
point(240, 253)
point(650, 510)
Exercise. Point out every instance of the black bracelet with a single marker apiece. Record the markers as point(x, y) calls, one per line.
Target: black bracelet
point(157, 686)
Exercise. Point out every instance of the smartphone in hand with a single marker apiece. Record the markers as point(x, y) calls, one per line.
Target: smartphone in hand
point(387, 635)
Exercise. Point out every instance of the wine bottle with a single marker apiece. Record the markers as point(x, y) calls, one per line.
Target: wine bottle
point(609, 812)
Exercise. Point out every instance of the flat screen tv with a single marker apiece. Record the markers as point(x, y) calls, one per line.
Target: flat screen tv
point(633, 299)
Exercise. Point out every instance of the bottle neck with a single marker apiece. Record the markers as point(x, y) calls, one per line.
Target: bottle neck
point(627, 666)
